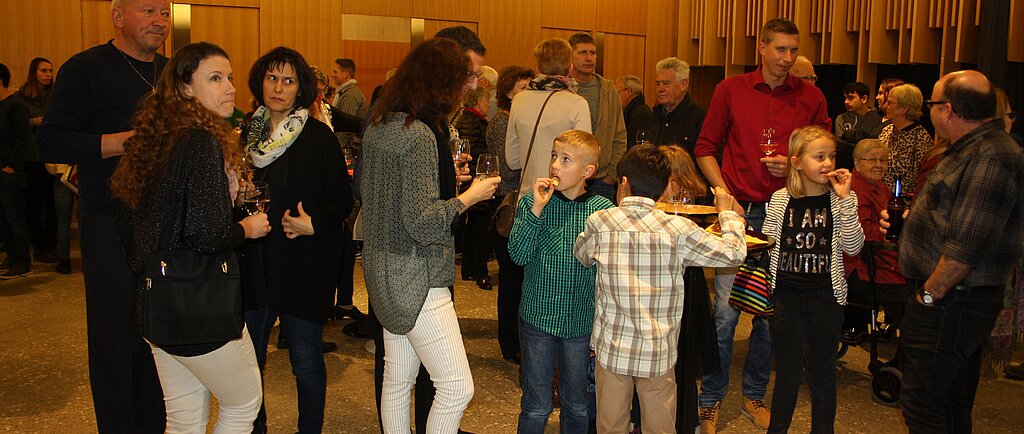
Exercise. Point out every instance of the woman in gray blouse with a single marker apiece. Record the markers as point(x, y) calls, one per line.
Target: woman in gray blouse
point(410, 209)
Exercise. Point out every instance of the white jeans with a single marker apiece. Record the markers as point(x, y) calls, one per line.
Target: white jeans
point(436, 341)
point(230, 373)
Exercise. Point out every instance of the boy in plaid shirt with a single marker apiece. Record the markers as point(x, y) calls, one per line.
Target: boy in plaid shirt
point(641, 253)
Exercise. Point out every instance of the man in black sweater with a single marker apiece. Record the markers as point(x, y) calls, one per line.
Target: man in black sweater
point(635, 112)
point(86, 123)
point(678, 118)
point(14, 139)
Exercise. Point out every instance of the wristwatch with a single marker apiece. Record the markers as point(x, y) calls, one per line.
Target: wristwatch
point(927, 298)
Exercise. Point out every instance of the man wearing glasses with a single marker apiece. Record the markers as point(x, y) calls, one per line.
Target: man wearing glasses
point(959, 245)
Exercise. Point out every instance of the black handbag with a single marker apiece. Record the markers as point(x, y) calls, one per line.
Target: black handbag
point(505, 215)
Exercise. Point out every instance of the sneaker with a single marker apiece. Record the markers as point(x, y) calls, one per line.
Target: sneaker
point(17, 270)
point(63, 267)
point(757, 412)
point(708, 417)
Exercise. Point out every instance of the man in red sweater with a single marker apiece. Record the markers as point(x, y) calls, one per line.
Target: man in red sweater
point(741, 109)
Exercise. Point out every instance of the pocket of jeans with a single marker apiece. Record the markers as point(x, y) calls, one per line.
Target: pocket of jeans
point(962, 337)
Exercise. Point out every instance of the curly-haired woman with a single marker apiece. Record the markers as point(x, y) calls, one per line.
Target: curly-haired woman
point(178, 175)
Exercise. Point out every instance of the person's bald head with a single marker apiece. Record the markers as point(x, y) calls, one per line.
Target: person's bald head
point(970, 94)
point(803, 69)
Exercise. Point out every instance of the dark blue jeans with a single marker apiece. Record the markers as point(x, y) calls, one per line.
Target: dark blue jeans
point(805, 330)
point(63, 201)
point(942, 347)
point(12, 199)
point(305, 352)
point(510, 292)
point(543, 352)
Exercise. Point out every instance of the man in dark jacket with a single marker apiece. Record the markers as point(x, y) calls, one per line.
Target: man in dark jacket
point(678, 118)
point(635, 111)
point(14, 139)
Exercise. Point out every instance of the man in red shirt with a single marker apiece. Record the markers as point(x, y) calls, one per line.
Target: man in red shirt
point(742, 108)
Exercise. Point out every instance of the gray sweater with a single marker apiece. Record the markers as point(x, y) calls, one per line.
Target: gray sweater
point(408, 242)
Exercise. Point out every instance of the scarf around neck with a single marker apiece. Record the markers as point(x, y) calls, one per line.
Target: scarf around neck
point(265, 146)
point(553, 82)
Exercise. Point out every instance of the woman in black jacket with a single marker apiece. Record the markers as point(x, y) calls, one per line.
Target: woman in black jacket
point(178, 176)
point(471, 122)
point(291, 274)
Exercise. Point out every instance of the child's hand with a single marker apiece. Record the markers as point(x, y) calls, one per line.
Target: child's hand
point(543, 188)
point(841, 180)
point(723, 200)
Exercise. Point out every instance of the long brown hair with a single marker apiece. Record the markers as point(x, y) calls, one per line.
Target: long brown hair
point(428, 83)
point(684, 171)
point(163, 116)
point(33, 87)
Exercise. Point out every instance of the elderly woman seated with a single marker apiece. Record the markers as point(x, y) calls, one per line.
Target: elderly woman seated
point(870, 158)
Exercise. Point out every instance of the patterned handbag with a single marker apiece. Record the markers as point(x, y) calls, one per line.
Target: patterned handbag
point(752, 289)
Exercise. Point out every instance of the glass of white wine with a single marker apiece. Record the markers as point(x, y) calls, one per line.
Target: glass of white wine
point(460, 147)
point(768, 141)
point(256, 197)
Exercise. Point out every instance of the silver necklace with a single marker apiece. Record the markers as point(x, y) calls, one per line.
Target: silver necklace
point(150, 83)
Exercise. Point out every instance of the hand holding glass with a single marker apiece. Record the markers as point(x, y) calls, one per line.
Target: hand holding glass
point(768, 141)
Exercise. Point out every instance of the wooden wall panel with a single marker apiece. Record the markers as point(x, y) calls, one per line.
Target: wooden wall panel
point(232, 29)
point(57, 40)
point(623, 54)
point(712, 34)
point(687, 27)
point(580, 14)
point(884, 41)
point(625, 17)
point(387, 8)
point(925, 41)
point(312, 27)
point(663, 24)
point(1015, 37)
point(842, 40)
point(232, 3)
point(742, 45)
point(967, 32)
point(96, 26)
point(451, 10)
point(431, 27)
point(548, 33)
point(510, 29)
point(373, 60)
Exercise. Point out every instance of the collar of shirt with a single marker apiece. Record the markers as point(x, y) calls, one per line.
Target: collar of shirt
point(637, 202)
point(666, 116)
point(579, 199)
point(791, 84)
point(974, 135)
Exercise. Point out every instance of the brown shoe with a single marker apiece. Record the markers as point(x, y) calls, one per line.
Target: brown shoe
point(709, 418)
point(757, 412)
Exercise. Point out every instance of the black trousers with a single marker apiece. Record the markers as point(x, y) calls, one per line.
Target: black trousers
point(510, 293)
point(40, 212)
point(476, 245)
point(126, 391)
point(942, 347)
point(805, 329)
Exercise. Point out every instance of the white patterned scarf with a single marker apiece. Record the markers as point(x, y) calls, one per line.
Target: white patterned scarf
point(265, 146)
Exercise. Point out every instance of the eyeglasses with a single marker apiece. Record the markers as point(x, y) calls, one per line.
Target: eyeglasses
point(1012, 116)
point(929, 103)
point(879, 160)
point(809, 78)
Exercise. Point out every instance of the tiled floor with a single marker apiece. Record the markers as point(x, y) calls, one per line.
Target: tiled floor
point(44, 386)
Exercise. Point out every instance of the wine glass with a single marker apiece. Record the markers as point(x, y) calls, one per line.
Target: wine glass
point(245, 171)
point(643, 136)
point(349, 158)
point(486, 166)
point(768, 141)
point(460, 147)
point(256, 197)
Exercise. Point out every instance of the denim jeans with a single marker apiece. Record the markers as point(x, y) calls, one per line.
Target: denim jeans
point(542, 353)
point(510, 292)
point(758, 367)
point(805, 324)
point(305, 352)
point(63, 201)
point(12, 199)
point(942, 347)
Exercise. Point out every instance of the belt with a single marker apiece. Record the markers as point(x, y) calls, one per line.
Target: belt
point(747, 205)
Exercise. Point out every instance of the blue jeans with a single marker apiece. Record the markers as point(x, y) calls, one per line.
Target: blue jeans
point(305, 352)
point(63, 201)
point(758, 367)
point(542, 352)
point(942, 347)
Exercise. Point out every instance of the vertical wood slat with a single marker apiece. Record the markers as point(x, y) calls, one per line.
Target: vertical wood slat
point(510, 29)
point(231, 28)
point(1015, 37)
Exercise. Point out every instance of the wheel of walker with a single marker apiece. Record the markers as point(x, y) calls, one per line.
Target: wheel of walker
point(843, 348)
point(885, 386)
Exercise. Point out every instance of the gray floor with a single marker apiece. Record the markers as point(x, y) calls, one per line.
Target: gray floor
point(44, 384)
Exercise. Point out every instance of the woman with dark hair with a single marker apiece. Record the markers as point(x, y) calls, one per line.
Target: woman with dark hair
point(291, 274)
point(39, 189)
point(511, 81)
point(410, 208)
point(178, 177)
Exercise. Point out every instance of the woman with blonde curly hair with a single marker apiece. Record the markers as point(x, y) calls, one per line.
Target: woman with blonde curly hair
point(178, 177)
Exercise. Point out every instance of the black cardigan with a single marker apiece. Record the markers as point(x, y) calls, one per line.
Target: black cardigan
point(299, 276)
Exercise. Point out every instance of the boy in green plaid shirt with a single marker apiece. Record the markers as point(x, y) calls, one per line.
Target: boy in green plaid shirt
point(557, 309)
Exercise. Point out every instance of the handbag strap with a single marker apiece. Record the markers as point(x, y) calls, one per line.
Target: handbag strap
point(534, 135)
